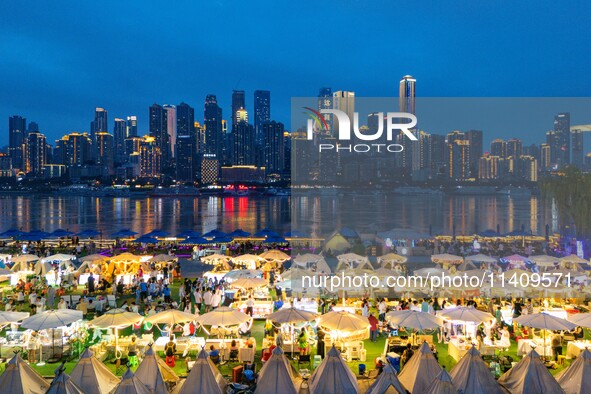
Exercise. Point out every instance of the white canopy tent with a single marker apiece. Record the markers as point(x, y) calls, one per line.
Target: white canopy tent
point(249, 261)
point(387, 382)
point(20, 378)
point(530, 375)
point(333, 376)
point(471, 375)
point(63, 384)
point(442, 384)
point(352, 261)
point(418, 372)
point(277, 375)
point(576, 379)
point(93, 376)
point(130, 384)
point(155, 374)
point(203, 378)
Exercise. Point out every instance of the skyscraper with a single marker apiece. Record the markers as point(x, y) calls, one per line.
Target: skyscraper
point(33, 126)
point(325, 102)
point(150, 158)
point(475, 138)
point(17, 126)
point(131, 126)
point(498, 148)
point(212, 120)
point(274, 147)
point(105, 152)
point(171, 128)
point(243, 144)
point(262, 113)
point(158, 129)
point(186, 156)
point(119, 136)
point(238, 102)
point(185, 119)
point(407, 90)
point(578, 153)
point(73, 149)
point(100, 122)
point(458, 156)
point(36, 154)
point(343, 101)
point(562, 139)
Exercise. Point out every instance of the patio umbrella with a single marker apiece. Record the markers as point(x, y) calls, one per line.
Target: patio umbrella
point(581, 319)
point(156, 233)
point(237, 274)
point(124, 233)
point(291, 315)
point(275, 255)
point(544, 321)
point(13, 232)
point(116, 319)
point(94, 257)
point(24, 258)
point(239, 233)
point(60, 232)
point(162, 258)
point(171, 317)
point(188, 234)
point(223, 316)
point(10, 317)
point(544, 260)
point(144, 239)
point(275, 240)
point(414, 319)
point(215, 258)
point(249, 283)
point(343, 321)
point(264, 233)
point(88, 233)
point(214, 234)
point(220, 240)
point(446, 258)
point(194, 241)
point(52, 319)
point(466, 314)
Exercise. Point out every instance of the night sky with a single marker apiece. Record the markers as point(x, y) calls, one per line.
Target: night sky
point(60, 59)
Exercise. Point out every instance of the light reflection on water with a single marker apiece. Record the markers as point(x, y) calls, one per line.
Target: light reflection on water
point(320, 215)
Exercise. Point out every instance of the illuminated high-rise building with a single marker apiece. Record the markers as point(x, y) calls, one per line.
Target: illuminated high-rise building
point(476, 146)
point(243, 144)
point(74, 149)
point(578, 154)
point(17, 132)
point(210, 169)
point(119, 136)
point(35, 154)
point(158, 129)
point(132, 145)
point(528, 167)
point(406, 94)
point(105, 152)
point(488, 167)
point(561, 143)
point(325, 101)
point(131, 126)
point(343, 101)
point(545, 161)
point(100, 123)
point(274, 147)
point(238, 102)
point(498, 148)
point(171, 127)
point(458, 155)
point(262, 113)
point(150, 158)
point(213, 135)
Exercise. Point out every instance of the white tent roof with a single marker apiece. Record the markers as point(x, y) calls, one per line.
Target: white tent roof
point(530, 375)
point(63, 384)
point(130, 384)
point(276, 375)
point(418, 372)
point(203, 378)
point(472, 375)
point(387, 379)
point(20, 378)
point(93, 376)
point(337, 244)
point(333, 376)
point(577, 377)
point(154, 373)
point(442, 384)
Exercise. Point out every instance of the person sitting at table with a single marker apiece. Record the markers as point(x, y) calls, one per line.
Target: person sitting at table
point(578, 333)
point(214, 355)
point(233, 349)
point(169, 351)
point(406, 355)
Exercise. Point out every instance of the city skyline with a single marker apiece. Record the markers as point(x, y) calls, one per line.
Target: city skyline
point(54, 76)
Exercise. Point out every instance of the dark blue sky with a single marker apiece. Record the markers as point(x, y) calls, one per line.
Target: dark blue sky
point(60, 59)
